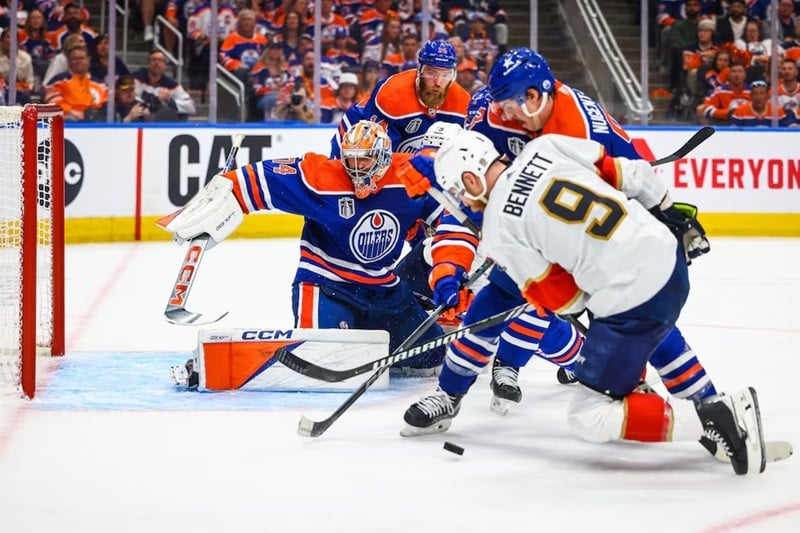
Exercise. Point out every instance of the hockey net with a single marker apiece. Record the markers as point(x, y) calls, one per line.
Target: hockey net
point(31, 242)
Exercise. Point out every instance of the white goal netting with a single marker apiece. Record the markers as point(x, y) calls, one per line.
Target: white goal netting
point(18, 282)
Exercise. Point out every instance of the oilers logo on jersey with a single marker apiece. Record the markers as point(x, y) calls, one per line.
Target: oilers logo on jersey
point(375, 235)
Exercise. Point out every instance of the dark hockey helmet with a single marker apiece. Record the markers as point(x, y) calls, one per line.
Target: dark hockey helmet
point(515, 72)
point(440, 54)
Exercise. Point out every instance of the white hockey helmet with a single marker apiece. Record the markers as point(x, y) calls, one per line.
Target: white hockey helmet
point(468, 151)
point(438, 133)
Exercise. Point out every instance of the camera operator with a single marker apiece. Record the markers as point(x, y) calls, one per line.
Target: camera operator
point(164, 97)
point(295, 107)
point(128, 107)
point(296, 102)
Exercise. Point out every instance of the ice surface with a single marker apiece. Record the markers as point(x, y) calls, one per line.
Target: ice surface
point(109, 445)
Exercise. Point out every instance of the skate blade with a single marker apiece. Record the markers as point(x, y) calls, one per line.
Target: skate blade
point(439, 427)
point(748, 416)
point(500, 406)
point(774, 451)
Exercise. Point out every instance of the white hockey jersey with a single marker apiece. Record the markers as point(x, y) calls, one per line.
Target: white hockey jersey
point(568, 237)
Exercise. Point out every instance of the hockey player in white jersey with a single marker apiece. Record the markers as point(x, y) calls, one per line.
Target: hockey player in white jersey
point(571, 227)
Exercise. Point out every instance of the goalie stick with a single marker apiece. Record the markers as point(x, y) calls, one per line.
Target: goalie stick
point(311, 428)
point(176, 312)
point(330, 375)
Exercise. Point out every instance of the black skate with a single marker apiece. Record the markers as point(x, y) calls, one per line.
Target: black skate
point(732, 426)
point(565, 377)
point(431, 414)
point(505, 387)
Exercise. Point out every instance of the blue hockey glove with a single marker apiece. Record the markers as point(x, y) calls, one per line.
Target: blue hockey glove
point(445, 279)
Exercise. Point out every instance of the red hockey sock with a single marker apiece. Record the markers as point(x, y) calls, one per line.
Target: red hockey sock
point(648, 418)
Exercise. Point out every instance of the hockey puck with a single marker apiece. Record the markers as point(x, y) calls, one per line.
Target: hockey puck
point(454, 448)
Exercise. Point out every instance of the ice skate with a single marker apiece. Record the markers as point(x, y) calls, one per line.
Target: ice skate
point(431, 414)
point(505, 387)
point(185, 375)
point(565, 377)
point(732, 426)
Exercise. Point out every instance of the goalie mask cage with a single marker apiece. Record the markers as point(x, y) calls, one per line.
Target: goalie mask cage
point(31, 242)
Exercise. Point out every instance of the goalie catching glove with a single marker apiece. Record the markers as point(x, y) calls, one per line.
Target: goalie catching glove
point(214, 210)
point(681, 219)
point(446, 281)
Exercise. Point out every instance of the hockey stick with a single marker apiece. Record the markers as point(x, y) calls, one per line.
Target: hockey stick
point(330, 375)
point(311, 428)
point(694, 141)
point(176, 312)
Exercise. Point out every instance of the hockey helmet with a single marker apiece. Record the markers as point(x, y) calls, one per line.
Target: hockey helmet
point(468, 151)
point(366, 141)
point(439, 132)
point(515, 72)
point(440, 54)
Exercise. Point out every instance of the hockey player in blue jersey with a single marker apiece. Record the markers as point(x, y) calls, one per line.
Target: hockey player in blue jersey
point(524, 101)
point(357, 214)
point(409, 102)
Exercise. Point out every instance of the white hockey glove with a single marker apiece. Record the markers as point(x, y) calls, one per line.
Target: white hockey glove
point(640, 182)
point(214, 210)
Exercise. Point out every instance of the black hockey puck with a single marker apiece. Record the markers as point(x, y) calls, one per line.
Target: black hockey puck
point(450, 447)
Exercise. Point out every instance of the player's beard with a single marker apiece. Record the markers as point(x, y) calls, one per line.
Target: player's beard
point(433, 97)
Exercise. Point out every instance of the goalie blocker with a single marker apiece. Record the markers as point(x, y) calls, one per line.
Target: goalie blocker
point(245, 359)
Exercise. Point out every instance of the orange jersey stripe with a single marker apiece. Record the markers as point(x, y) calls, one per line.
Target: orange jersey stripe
point(555, 290)
point(569, 355)
point(307, 306)
point(344, 274)
point(528, 332)
point(472, 353)
point(684, 377)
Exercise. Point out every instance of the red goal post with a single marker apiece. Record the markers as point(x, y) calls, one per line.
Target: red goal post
point(31, 242)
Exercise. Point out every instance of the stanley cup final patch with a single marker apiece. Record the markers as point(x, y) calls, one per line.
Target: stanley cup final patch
point(347, 208)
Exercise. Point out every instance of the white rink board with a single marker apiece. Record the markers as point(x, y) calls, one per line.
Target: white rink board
point(732, 172)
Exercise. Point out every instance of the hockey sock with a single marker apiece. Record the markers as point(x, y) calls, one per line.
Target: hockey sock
point(465, 359)
point(648, 418)
point(680, 370)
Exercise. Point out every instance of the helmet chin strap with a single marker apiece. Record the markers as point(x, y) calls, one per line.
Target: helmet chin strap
point(537, 124)
point(482, 196)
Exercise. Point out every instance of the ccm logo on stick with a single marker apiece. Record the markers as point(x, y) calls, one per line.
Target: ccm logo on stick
point(185, 276)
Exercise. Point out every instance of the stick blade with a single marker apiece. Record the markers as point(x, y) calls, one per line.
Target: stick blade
point(309, 428)
point(182, 317)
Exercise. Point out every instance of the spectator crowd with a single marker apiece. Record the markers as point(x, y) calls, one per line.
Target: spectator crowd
point(266, 44)
point(719, 61)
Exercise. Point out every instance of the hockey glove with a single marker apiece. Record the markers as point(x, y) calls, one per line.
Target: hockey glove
point(445, 279)
point(681, 219)
point(417, 173)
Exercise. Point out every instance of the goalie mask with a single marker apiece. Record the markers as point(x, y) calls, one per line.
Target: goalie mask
point(366, 155)
point(469, 151)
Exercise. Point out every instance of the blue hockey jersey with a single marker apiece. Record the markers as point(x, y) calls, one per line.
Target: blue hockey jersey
point(344, 239)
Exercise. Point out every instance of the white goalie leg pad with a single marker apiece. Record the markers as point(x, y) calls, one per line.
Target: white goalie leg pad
point(595, 417)
point(214, 210)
